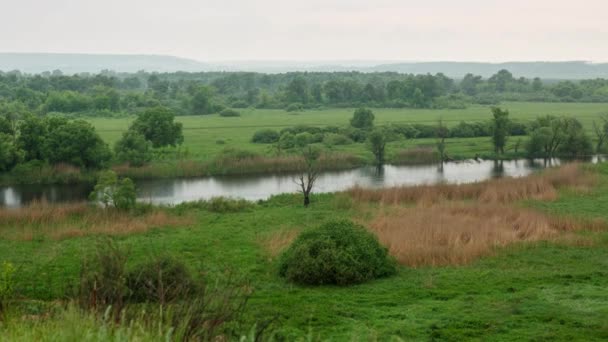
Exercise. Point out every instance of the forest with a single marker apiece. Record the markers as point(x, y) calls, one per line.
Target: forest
point(122, 94)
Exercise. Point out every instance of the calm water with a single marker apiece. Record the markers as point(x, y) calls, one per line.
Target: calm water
point(173, 191)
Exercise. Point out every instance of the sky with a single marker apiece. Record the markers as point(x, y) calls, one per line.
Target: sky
point(312, 30)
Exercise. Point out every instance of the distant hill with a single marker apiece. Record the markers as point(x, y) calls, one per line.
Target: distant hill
point(545, 70)
point(94, 63)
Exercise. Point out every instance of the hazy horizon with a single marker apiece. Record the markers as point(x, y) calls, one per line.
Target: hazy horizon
point(315, 31)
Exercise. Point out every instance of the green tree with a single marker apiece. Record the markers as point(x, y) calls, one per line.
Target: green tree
point(110, 191)
point(201, 101)
point(297, 91)
point(601, 132)
point(31, 138)
point(5, 126)
point(363, 118)
point(133, 148)
point(157, 126)
point(75, 143)
point(441, 133)
point(377, 144)
point(552, 135)
point(308, 177)
point(10, 154)
point(500, 129)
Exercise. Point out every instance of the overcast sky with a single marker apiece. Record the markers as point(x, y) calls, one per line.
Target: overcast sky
point(459, 30)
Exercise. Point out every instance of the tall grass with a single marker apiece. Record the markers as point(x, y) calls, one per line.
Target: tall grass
point(236, 165)
point(542, 186)
point(458, 233)
point(42, 220)
point(71, 324)
point(415, 156)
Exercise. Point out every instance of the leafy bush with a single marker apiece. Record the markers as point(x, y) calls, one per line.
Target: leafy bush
point(133, 148)
point(109, 190)
point(333, 139)
point(303, 139)
point(338, 252)
point(294, 107)
point(103, 278)
point(161, 280)
point(287, 141)
point(265, 136)
point(229, 113)
point(228, 205)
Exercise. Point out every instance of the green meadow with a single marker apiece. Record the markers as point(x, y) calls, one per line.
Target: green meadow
point(207, 135)
point(543, 290)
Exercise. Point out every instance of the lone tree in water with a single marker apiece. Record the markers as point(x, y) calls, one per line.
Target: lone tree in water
point(377, 143)
point(306, 180)
point(441, 133)
point(500, 129)
point(601, 132)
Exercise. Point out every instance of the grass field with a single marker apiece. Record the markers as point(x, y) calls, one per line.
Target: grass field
point(550, 289)
point(201, 133)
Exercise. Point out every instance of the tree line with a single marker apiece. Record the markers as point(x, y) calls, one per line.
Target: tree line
point(115, 94)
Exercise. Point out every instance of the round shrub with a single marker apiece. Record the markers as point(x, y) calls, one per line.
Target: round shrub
point(163, 279)
point(229, 113)
point(338, 252)
point(265, 136)
point(303, 139)
point(294, 107)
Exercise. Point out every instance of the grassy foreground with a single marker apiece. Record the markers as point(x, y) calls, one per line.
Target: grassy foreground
point(551, 288)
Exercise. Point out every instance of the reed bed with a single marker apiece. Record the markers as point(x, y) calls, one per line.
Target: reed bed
point(458, 233)
point(42, 220)
point(542, 186)
point(417, 155)
point(236, 165)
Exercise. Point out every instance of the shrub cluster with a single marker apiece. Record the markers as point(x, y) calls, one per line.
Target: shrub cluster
point(229, 113)
point(338, 252)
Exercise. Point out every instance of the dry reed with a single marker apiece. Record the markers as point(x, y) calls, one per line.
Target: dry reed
point(56, 222)
point(542, 186)
point(458, 233)
point(276, 242)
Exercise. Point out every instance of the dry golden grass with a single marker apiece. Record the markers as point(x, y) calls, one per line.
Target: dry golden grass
point(456, 224)
point(276, 242)
point(44, 220)
point(541, 186)
point(458, 233)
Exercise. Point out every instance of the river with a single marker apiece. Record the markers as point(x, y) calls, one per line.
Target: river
point(256, 187)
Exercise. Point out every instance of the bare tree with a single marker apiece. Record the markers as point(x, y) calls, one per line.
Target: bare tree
point(306, 180)
point(601, 131)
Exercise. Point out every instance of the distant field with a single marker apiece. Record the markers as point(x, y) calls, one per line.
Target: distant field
point(202, 133)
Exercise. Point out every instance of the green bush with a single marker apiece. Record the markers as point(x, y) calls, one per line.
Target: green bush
point(103, 281)
point(333, 139)
point(303, 139)
point(294, 107)
point(229, 113)
point(161, 280)
point(227, 205)
point(265, 136)
point(338, 252)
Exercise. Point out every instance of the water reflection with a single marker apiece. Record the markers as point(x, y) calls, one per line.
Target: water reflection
point(173, 191)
